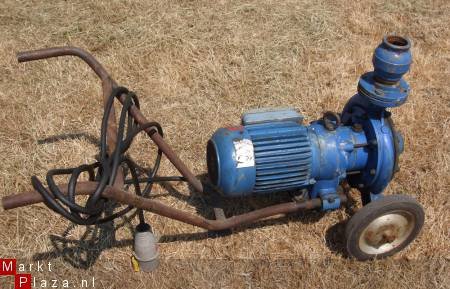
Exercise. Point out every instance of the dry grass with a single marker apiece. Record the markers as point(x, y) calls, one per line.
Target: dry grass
point(197, 65)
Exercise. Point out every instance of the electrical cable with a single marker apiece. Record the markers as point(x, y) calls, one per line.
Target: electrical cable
point(104, 171)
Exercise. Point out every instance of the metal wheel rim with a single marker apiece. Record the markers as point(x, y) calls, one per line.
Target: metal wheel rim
point(387, 232)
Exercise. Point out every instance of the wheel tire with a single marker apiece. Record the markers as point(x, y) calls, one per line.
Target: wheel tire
point(383, 227)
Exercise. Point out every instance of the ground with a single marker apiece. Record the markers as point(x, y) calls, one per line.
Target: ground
point(197, 66)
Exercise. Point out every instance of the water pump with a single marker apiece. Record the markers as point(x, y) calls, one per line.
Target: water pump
point(272, 151)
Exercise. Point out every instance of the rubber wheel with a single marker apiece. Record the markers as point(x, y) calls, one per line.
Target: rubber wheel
point(383, 227)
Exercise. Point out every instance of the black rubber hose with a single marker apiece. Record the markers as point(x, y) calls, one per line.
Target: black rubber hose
point(105, 170)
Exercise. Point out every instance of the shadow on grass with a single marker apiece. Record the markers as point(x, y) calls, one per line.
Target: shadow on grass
point(335, 239)
point(70, 136)
point(82, 253)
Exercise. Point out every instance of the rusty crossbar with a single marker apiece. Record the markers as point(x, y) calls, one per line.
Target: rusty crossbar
point(121, 196)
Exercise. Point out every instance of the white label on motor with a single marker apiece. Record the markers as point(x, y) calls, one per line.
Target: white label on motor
point(245, 156)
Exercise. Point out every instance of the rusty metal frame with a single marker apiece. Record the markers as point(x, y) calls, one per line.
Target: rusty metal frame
point(108, 84)
point(121, 196)
point(116, 192)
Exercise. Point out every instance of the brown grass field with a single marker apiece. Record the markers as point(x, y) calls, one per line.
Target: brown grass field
point(197, 66)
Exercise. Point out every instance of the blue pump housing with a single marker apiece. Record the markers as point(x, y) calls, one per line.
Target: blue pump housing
point(272, 151)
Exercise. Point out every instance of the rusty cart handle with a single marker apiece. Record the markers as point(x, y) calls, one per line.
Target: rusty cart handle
point(108, 84)
point(38, 54)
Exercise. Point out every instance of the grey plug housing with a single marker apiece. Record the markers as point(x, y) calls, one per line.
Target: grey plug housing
point(145, 248)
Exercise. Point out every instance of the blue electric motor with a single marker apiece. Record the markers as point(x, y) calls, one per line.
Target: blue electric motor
point(272, 151)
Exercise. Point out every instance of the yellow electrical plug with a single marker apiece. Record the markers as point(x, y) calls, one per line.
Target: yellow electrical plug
point(135, 264)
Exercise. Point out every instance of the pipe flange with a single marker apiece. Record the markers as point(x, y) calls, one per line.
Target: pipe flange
point(380, 94)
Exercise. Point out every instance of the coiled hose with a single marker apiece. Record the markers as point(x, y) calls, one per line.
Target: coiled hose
point(104, 171)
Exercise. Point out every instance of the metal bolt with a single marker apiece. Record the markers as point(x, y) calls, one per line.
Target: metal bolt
point(373, 171)
point(357, 127)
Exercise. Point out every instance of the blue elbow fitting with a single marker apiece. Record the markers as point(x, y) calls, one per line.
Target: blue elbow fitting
point(392, 59)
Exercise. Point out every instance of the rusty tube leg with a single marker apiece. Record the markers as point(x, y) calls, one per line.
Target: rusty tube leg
point(111, 130)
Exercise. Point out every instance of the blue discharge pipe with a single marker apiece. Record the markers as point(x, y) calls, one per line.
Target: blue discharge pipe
point(272, 151)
